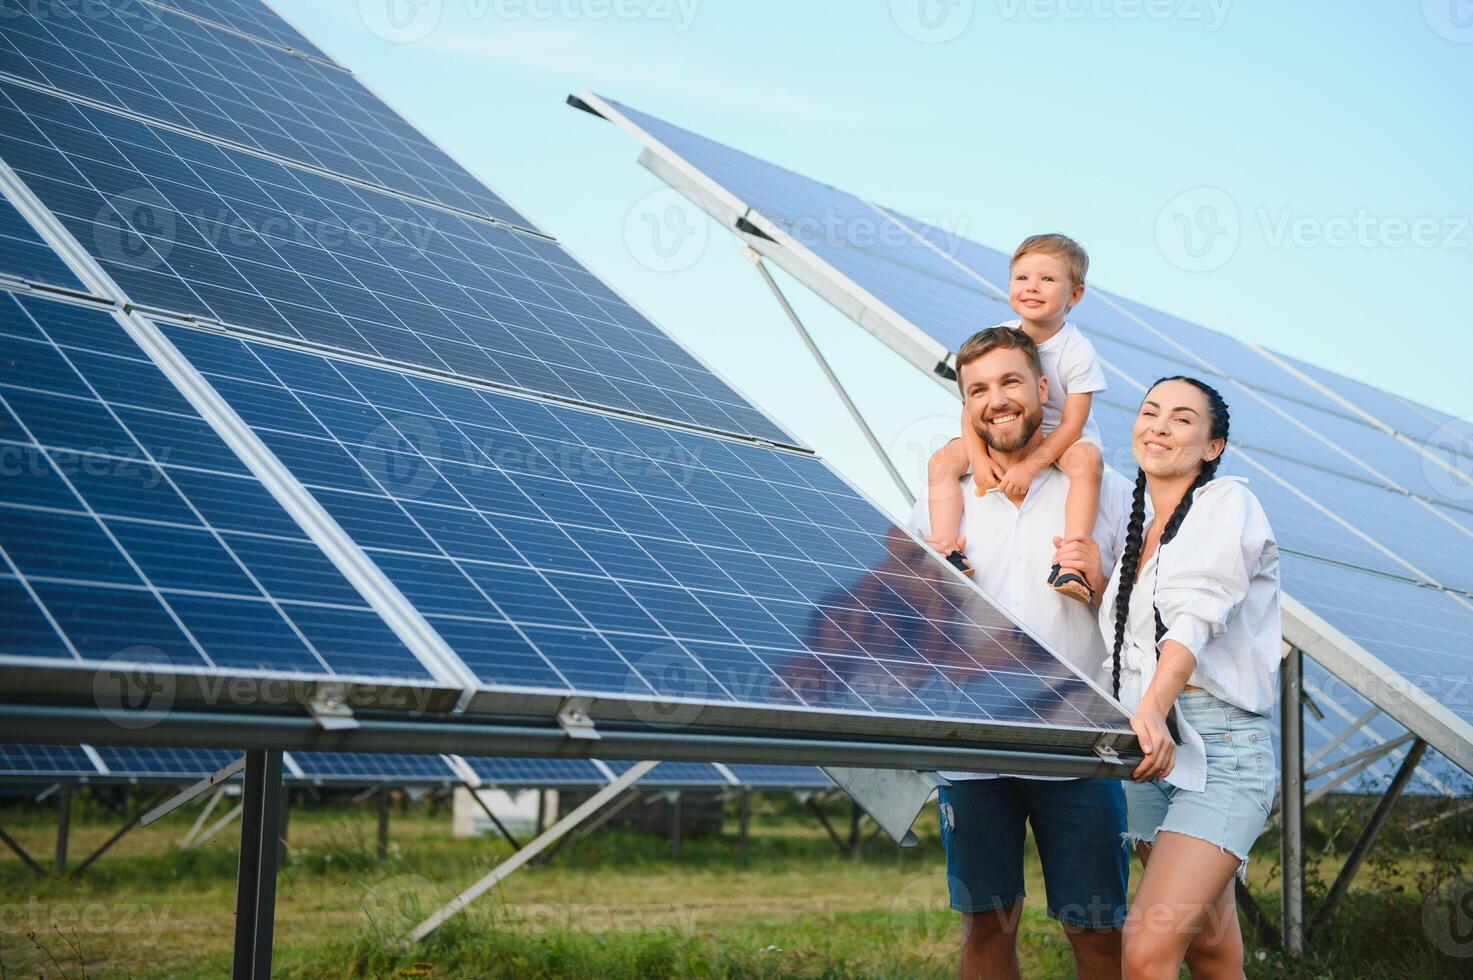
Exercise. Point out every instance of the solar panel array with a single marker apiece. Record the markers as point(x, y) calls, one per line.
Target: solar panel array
point(39, 762)
point(570, 500)
point(1367, 491)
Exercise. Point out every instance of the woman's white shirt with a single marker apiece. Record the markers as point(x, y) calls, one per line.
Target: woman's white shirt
point(1216, 586)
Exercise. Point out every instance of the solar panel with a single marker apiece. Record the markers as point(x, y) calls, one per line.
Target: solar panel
point(138, 762)
point(560, 549)
point(755, 776)
point(130, 533)
point(1367, 521)
point(177, 71)
point(364, 768)
point(514, 773)
point(20, 761)
point(195, 229)
point(677, 775)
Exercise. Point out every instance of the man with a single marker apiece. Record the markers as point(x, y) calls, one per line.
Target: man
point(1077, 823)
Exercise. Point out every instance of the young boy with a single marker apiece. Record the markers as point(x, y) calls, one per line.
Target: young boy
point(1046, 281)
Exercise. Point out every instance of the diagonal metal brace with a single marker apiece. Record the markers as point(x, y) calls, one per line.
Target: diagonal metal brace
point(198, 789)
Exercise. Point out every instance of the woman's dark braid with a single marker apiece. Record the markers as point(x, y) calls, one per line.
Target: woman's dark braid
point(1134, 534)
point(1130, 560)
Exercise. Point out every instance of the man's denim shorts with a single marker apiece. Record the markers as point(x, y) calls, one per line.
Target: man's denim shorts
point(1077, 824)
point(1242, 775)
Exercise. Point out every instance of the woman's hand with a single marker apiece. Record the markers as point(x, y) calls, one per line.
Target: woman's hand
point(1149, 725)
point(1079, 553)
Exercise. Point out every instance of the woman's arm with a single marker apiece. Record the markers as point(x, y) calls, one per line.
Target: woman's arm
point(1149, 721)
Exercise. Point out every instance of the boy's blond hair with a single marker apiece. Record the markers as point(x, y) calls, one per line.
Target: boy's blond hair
point(1059, 246)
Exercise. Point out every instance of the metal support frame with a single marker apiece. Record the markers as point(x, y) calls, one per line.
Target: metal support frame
point(588, 829)
point(217, 826)
point(63, 825)
point(195, 790)
point(204, 814)
point(383, 824)
point(833, 379)
point(495, 820)
point(580, 813)
point(744, 820)
point(675, 799)
point(22, 853)
point(1368, 836)
point(133, 821)
point(255, 896)
point(1291, 795)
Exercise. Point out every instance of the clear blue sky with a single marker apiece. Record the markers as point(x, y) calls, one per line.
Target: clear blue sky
point(1333, 136)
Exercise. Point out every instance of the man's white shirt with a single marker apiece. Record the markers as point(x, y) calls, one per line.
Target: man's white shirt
point(1011, 549)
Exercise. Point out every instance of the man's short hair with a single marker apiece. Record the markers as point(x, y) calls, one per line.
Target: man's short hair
point(997, 338)
point(1059, 246)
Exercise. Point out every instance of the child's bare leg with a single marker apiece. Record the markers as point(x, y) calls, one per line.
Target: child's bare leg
point(944, 472)
point(977, 459)
point(1084, 466)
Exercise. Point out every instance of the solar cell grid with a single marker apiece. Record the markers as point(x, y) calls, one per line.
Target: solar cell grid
point(128, 531)
point(178, 71)
point(156, 761)
point(373, 767)
point(248, 17)
point(191, 228)
point(560, 549)
point(24, 256)
point(30, 759)
point(533, 773)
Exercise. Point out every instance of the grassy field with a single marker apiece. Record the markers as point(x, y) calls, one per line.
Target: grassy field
point(616, 905)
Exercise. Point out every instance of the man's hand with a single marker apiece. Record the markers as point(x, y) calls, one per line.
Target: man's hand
point(1079, 553)
point(1018, 478)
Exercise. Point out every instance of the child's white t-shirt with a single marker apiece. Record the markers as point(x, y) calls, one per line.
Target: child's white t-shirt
point(1072, 368)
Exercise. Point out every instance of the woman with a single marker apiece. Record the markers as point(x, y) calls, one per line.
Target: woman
point(1192, 618)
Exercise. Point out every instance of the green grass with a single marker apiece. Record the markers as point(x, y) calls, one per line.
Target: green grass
point(614, 906)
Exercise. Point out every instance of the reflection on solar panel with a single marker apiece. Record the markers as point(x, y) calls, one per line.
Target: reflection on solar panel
point(1367, 491)
point(130, 533)
point(180, 72)
point(349, 381)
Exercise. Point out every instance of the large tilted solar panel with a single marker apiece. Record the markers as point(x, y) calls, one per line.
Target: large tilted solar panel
point(178, 71)
point(130, 533)
point(1359, 512)
point(195, 229)
point(558, 549)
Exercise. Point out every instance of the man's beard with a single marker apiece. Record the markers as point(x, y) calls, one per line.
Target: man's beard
point(1031, 422)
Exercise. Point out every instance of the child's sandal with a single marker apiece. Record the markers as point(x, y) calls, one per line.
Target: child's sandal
point(959, 562)
point(1071, 584)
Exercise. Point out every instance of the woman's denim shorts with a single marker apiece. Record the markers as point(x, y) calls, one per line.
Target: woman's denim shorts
point(1242, 776)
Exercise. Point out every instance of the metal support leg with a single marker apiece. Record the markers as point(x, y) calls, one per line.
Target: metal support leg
point(541, 811)
point(1291, 825)
point(744, 818)
point(383, 824)
point(204, 814)
point(133, 821)
point(63, 825)
point(495, 820)
point(675, 826)
point(255, 896)
point(1368, 836)
point(833, 379)
point(21, 853)
point(580, 813)
point(824, 820)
